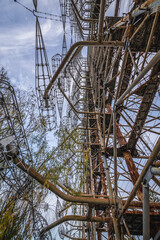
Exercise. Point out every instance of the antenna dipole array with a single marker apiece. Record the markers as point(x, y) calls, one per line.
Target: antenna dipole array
point(17, 185)
point(13, 141)
point(43, 77)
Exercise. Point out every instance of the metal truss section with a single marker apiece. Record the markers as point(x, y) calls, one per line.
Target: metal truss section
point(43, 76)
point(39, 222)
point(17, 185)
point(13, 141)
point(114, 97)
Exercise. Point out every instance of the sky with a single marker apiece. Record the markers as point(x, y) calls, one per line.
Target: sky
point(17, 39)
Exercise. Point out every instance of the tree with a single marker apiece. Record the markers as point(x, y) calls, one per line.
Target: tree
point(66, 162)
point(20, 195)
point(59, 165)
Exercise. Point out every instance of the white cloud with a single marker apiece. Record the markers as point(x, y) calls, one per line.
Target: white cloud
point(50, 30)
point(46, 27)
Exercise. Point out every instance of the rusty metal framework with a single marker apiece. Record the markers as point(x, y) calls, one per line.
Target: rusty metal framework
point(113, 98)
point(13, 140)
point(107, 101)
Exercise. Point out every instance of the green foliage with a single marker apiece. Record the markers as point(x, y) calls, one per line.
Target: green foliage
point(67, 163)
point(8, 229)
point(12, 221)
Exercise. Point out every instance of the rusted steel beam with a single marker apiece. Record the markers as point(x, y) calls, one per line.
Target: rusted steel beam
point(115, 220)
point(150, 37)
point(140, 179)
point(112, 81)
point(149, 93)
point(149, 66)
point(89, 213)
point(141, 89)
point(133, 172)
point(115, 155)
point(106, 53)
point(139, 27)
point(101, 20)
point(156, 180)
point(126, 75)
point(157, 164)
point(74, 218)
point(94, 201)
point(114, 120)
point(73, 238)
point(117, 8)
point(120, 151)
point(127, 156)
point(95, 176)
point(137, 212)
point(97, 161)
point(29, 170)
point(96, 187)
point(71, 50)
